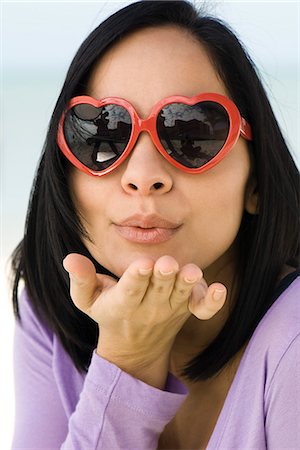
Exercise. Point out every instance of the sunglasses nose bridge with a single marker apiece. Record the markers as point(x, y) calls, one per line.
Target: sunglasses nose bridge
point(147, 125)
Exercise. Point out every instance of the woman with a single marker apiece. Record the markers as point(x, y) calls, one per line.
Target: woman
point(165, 188)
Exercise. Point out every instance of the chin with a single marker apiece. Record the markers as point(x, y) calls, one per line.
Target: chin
point(119, 266)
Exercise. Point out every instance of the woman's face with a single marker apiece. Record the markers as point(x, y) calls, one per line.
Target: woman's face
point(197, 216)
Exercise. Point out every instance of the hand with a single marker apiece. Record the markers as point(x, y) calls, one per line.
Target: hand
point(140, 315)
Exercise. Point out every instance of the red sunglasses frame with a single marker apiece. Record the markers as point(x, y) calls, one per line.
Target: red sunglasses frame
point(237, 126)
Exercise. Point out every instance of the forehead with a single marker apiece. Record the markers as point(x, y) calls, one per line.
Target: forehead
point(154, 63)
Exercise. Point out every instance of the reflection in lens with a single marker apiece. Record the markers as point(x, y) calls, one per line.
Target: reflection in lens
point(97, 136)
point(193, 135)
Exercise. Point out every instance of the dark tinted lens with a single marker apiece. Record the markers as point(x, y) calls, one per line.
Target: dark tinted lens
point(193, 135)
point(97, 136)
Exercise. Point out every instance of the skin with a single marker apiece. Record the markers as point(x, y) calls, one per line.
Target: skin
point(148, 320)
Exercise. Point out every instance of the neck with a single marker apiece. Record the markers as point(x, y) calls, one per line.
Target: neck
point(197, 334)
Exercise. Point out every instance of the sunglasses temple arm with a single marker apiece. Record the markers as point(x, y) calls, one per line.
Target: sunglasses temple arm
point(245, 130)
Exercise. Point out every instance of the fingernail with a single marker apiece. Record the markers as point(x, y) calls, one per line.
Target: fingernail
point(218, 294)
point(191, 280)
point(166, 273)
point(145, 271)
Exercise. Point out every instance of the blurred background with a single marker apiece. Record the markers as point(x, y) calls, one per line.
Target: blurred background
point(39, 40)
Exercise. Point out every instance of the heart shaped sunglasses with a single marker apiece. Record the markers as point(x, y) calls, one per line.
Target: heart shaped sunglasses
point(192, 133)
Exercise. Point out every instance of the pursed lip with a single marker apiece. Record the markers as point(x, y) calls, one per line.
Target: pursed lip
point(147, 229)
point(148, 221)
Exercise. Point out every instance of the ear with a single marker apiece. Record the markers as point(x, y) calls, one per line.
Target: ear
point(251, 197)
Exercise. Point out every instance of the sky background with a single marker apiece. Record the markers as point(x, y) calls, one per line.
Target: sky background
point(38, 42)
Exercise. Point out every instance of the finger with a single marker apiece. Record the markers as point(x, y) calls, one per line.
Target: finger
point(84, 284)
point(134, 282)
point(188, 277)
point(162, 280)
point(205, 307)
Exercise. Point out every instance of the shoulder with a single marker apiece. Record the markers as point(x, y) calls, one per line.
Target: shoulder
point(31, 326)
point(282, 320)
point(278, 333)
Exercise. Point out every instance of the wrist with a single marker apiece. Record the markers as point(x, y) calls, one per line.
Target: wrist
point(150, 370)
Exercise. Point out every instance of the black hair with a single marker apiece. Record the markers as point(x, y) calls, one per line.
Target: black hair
point(266, 241)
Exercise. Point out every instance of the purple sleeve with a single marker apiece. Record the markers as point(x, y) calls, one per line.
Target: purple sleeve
point(118, 411)
point(114, 410)
point(283, 401)
point(40, 420)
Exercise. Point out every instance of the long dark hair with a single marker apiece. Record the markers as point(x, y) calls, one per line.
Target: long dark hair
point(266, 241)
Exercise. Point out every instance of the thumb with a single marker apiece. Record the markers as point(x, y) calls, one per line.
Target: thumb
point(84, 284)
point(205, 303)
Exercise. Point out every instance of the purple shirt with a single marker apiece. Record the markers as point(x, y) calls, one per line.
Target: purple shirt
point(57, 407)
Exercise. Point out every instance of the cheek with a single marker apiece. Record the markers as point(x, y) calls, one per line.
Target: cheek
point(218, 214)
point(88, 195)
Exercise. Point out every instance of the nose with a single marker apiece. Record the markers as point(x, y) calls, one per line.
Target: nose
point(146, 171)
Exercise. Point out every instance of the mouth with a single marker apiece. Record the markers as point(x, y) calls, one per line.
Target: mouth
point(151, 229)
